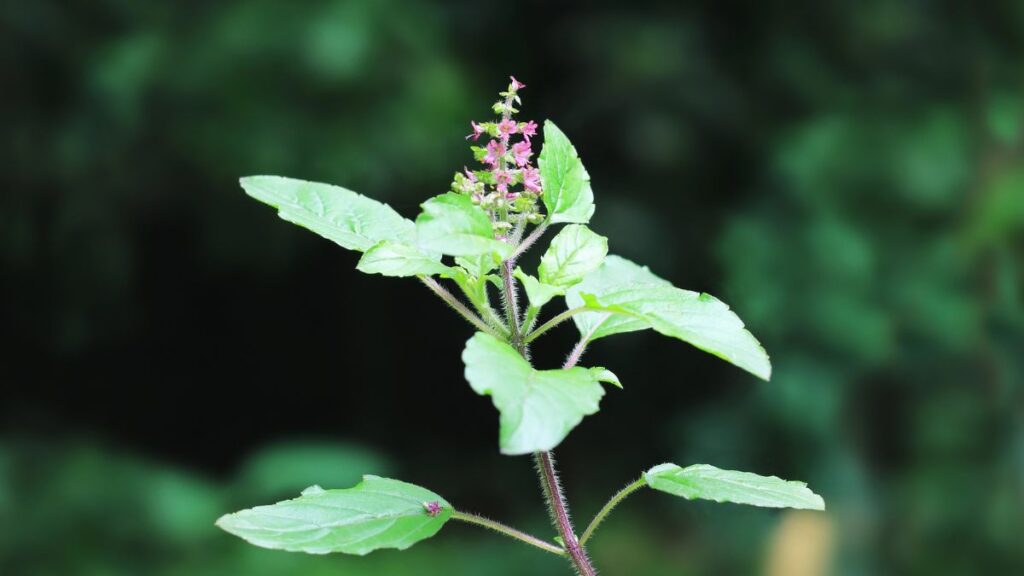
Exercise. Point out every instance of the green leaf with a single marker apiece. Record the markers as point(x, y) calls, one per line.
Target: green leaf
point(349, 219)
point(451, 224)
point(478, 265)
point(705, 482)
point(567, 194)
point(637, 299)
point(395, 259)
point(574, 252)
point(376, 513)
point(614, 274)
point(538, 407)
point(537, 292)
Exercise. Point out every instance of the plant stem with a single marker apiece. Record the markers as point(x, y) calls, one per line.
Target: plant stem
point(507, 531)
point(458, 306)
point(529, 240)
point(512, 306)
point(560, 513)
point(619, 497)
point(577, 353)
point(554, 322)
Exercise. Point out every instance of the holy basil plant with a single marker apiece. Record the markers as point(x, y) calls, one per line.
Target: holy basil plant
point(472, 236)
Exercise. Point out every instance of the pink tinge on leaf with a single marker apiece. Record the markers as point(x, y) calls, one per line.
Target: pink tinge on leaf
point(521, 153)
point(495, 152)
point(531, 180)
point(477, 131)
point(516, 84)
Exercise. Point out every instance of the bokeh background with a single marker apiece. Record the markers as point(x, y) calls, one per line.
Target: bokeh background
point(849, 176)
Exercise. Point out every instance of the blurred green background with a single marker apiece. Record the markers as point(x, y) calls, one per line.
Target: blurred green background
point(848, 176)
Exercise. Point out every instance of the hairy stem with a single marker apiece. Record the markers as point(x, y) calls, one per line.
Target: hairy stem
point(560, 513)
point(576, 354)
point(554, 322)
point(512, 306)
point(619, 497)
point(507, 531)
point(529, 240)
point(458, 306)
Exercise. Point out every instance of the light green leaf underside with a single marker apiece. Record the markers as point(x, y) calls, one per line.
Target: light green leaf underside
point(376, 513)
point(705, 482)
point(538, 408)
point(351, 220)
point(451, 224)
point(574, 252)
point(636, 299)
point(567, 193)
point(395, 259)
point(537, 292)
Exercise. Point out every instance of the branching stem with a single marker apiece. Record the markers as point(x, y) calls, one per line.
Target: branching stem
point(555, 321)
point(507, 531)
point(458, 306)
point(619, 497)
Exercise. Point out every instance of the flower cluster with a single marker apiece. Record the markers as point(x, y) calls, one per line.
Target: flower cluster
point(509, 185)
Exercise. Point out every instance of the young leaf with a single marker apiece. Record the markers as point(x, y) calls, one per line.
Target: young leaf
point(451, 224)
point(395, 259)
point(349, 219)
point(538, 407)
point(478, 265)
point(574, 252)
point(537, 292)
point(474, 287)
point(567, 194)
point(376, 513)
point(698, 319)
point(705, 482)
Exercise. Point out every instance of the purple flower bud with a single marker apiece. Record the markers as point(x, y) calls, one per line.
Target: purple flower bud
point(432, 508)
point(516, 84)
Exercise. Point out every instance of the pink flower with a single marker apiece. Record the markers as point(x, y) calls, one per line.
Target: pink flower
point(531, 180)
point(528, 129)
point(471, 176)
point(502, 178)
point(495, 151)
point(478, 129)
point(516, 84)
point(506, 128)
point(521, 152)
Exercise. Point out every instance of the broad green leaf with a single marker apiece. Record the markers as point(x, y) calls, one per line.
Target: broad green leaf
point(349, 219)
point(574, 252)
point(614, 273)
point(698, 319)
point(705, 482)
point(395, 259)
point(537, 292)
point(376, 513)
point(451, 224)
point(538, 407)
point(567, 194)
